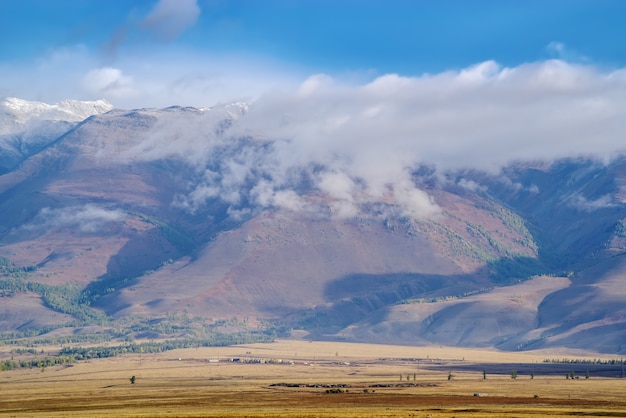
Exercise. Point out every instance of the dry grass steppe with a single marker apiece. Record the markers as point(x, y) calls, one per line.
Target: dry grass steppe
point(292, 377)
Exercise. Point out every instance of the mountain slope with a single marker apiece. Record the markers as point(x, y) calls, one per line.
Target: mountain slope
point(181, 213)
point(573, 205)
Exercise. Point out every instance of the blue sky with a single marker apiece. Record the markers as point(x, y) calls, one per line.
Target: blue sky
point(50, 47)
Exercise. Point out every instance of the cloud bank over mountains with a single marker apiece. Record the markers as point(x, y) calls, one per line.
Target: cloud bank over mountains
point(355, 138)
point(481, 117)
point(358, 145)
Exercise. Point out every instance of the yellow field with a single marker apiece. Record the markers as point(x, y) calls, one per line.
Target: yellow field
point(294, 381)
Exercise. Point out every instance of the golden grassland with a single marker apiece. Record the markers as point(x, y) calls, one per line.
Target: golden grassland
point(375, 381)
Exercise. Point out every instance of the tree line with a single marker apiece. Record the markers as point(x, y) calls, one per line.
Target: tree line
point(68, 355)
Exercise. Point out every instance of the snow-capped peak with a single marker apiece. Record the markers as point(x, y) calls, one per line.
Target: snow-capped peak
point(22, 111)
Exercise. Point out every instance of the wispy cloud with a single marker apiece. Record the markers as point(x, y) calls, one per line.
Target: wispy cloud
point(149, 77)
point(170, 18)
point(109, 82)
point(581, 203)
point(82, 219)
point(167, 20)
point(559, 50)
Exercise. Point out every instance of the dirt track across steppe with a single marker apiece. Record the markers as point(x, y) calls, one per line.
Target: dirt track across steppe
point(311, 379)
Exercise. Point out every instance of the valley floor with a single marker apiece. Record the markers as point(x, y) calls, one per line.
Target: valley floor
point(312, 379)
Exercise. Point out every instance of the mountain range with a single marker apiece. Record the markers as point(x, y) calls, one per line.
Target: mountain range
point(111, 217)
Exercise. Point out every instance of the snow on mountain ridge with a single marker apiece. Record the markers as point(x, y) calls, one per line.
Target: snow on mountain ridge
point(28, 126)
point(23, 111)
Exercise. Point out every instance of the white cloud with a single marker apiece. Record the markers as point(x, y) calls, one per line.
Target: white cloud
point(146, 75)
point(315, 84)
point(170, 18)
point(581, 203)
point(480, 117)
point(356, 145)
point(558, 50)
point(50, 77)
point(286, 199)
point(109, 82)
point(471, 185)
point(83, 219)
